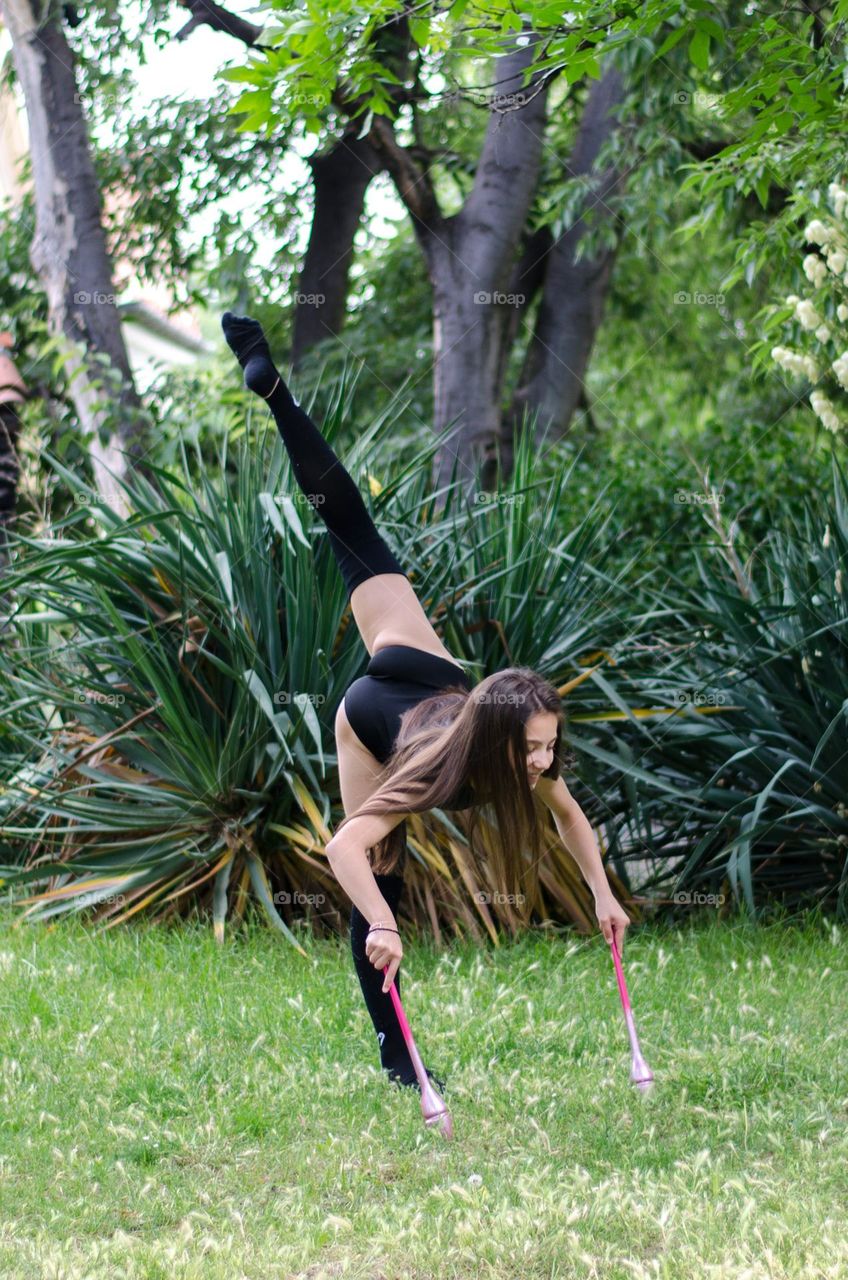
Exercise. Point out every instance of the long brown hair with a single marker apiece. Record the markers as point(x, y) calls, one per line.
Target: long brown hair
point(459, 738)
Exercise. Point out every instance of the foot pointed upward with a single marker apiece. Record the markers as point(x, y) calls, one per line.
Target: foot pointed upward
point(250, 347)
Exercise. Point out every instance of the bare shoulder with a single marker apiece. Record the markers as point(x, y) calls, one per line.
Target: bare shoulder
point(555, 795)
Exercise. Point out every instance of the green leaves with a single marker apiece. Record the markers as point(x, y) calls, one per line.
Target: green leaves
point(171, 642)
point(765, 771)
point(699, 48)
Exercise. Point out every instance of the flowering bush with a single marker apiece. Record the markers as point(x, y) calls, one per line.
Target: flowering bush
point(821, 320)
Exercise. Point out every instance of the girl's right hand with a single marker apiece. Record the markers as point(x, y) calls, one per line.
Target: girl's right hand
point(384, 948)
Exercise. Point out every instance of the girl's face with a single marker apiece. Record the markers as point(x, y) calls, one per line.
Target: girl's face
point(540, 733)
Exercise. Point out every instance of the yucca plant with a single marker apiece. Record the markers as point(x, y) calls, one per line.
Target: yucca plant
point(171, 696)
point(171, 680)
point(734, 758)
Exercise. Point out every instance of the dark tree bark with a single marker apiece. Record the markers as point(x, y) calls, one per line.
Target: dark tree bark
point(340, 176)
point(552, 379)
point(207, 13)
point(69, 250)
point(470, 259)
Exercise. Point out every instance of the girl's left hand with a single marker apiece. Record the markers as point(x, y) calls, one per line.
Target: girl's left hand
point(612, 918)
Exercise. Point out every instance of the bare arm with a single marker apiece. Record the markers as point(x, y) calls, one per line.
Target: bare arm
point(348, 857)
point(576, 833)
point(579, 839)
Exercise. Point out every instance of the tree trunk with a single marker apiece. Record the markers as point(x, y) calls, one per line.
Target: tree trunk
point(340, 178)
point(471, 259)
point(551, 383)
point(69, 250)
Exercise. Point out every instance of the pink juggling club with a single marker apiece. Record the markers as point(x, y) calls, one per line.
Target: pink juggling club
point(432, 1105)
point(640, 1073)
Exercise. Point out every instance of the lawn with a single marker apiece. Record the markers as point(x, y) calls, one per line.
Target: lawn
point(174, 1109)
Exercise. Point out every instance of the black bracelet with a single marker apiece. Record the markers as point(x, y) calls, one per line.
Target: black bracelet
point(385, 929)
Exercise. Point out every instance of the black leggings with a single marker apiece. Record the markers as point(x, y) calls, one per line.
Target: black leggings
point(361, 552)
point(359, 547)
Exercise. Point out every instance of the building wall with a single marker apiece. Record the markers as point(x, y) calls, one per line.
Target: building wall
point(13, 140)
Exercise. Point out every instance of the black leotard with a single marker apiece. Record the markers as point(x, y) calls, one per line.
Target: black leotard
point(398, 677)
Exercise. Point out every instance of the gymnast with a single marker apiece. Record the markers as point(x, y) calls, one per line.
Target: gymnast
point(413, 733)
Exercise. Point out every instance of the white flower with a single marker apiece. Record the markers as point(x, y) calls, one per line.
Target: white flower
point(842, 312)
point(814, 269)
point(824, 410)
point(836, 261)
point(822, 333)
point(818, 233)
point(840, 368)
point(806, 312)
point(795, 362)
point(792, 300)
point(838, 198)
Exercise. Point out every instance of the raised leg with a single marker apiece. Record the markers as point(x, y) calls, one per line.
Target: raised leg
point(384, 605)
point(387, 611)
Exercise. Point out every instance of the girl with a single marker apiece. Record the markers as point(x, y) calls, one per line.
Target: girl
point(413, 734)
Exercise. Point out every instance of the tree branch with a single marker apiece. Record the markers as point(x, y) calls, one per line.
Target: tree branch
point(411, 180)
point(208, 13)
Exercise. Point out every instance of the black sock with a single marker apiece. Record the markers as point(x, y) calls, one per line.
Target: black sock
point(359, 547)
point(394, 1055)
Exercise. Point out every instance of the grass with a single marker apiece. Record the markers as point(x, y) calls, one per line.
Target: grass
point(173, 1109)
